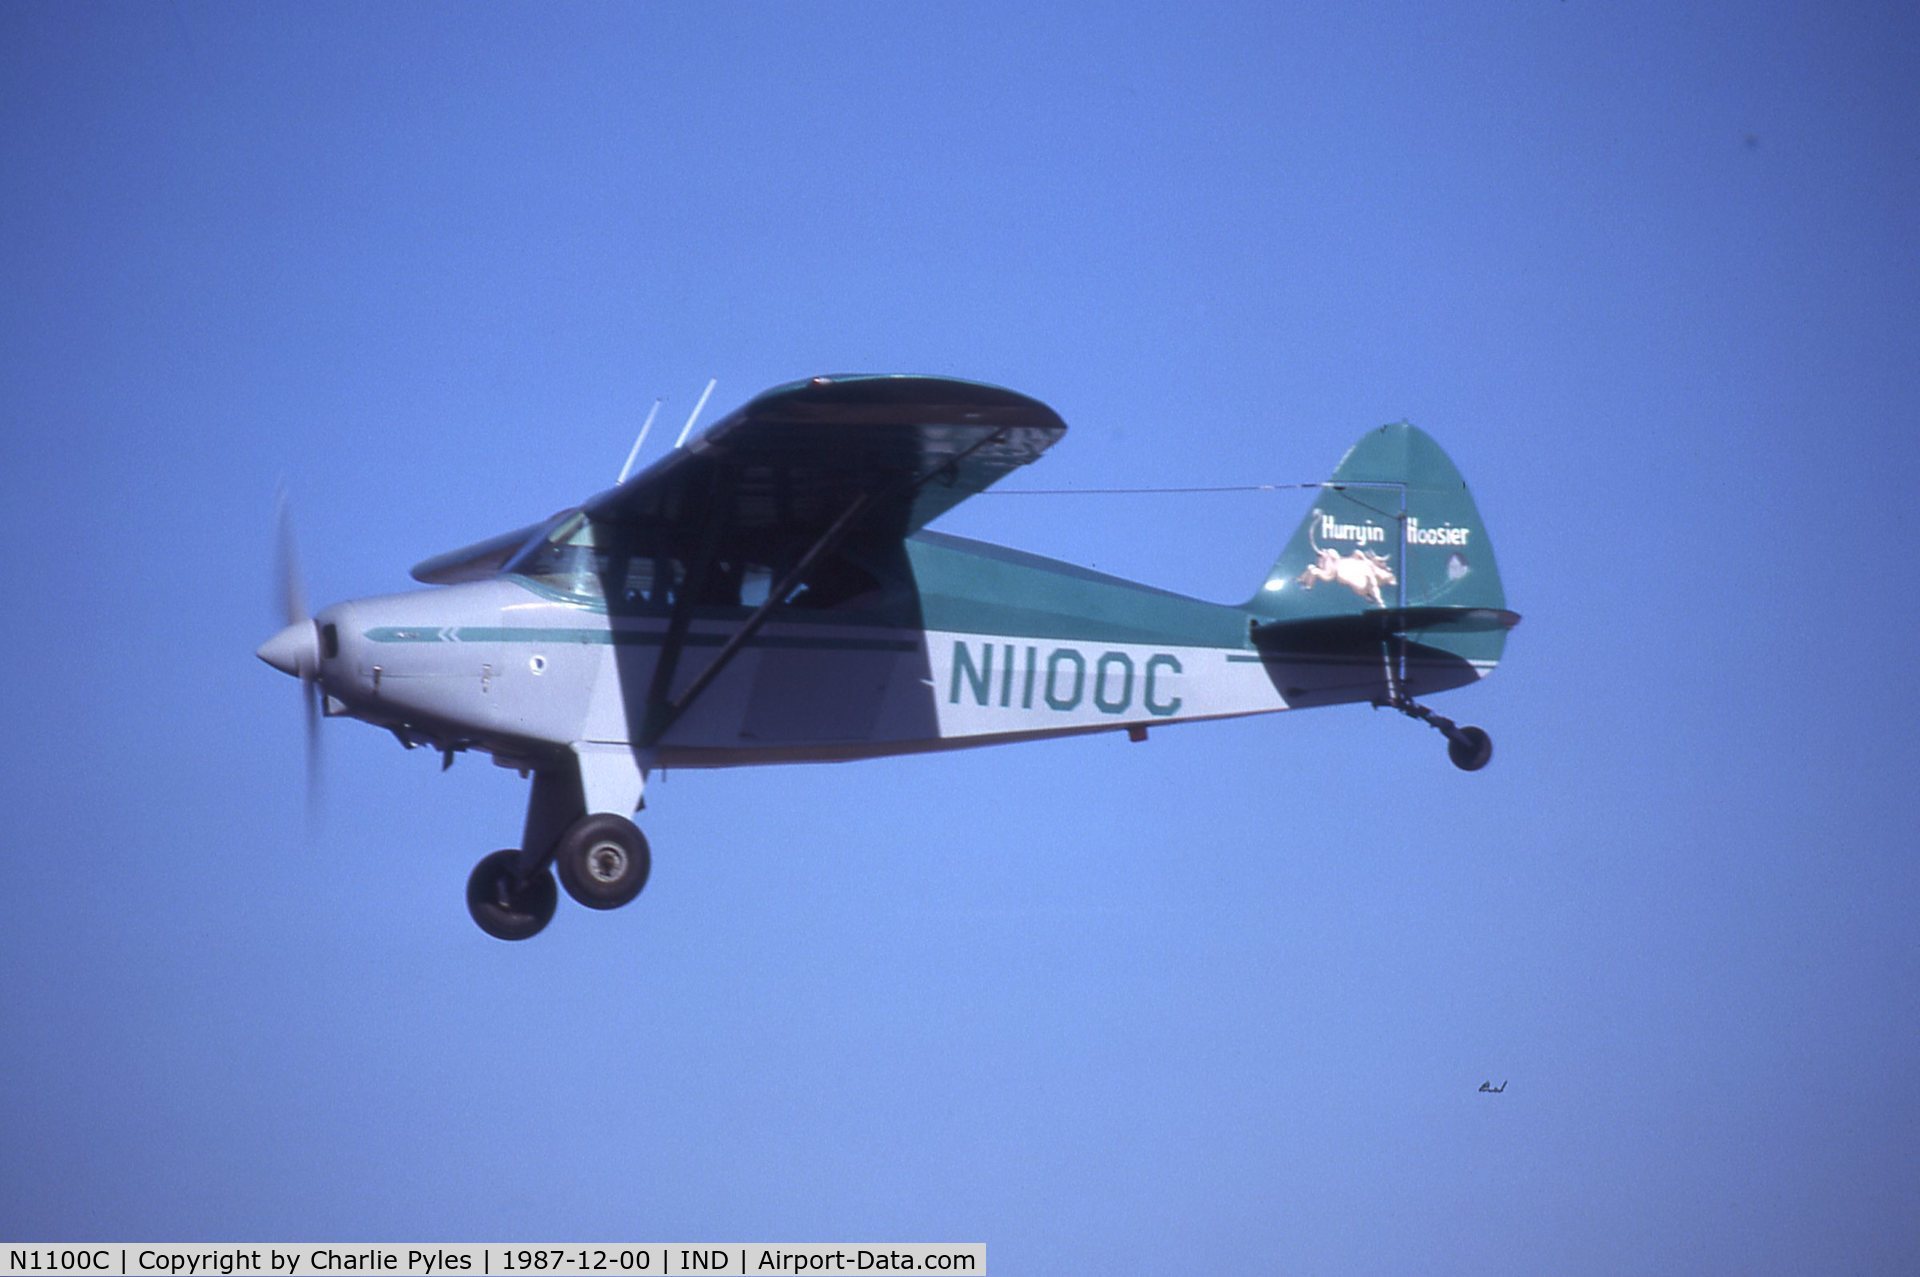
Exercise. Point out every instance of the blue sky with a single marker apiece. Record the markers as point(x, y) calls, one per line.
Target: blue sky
point(1219, 1000)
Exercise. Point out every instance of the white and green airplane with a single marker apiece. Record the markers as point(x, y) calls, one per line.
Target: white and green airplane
point(770, 593)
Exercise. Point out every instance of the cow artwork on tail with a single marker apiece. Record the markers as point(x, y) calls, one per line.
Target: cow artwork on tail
point(1361, 571)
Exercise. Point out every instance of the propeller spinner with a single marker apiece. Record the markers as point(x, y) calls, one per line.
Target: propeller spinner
point(295, 649)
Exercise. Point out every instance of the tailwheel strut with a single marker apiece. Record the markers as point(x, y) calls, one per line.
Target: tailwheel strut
point(1469, 748)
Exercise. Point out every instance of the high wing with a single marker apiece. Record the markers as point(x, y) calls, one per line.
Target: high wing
point(889, 453)
point(794, 459)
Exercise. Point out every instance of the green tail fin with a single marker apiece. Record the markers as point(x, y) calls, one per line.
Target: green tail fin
point(1394, 536)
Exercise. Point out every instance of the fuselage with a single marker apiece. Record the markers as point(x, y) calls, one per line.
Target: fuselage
point(954, 643)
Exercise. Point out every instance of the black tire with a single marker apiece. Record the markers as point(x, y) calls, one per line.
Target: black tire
point(603, 860)
point(505, 907)
point(1470, 749)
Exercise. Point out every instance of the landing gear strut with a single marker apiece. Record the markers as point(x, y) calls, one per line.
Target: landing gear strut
point(1469, 748)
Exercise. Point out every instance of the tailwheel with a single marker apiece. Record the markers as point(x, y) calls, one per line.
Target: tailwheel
point(506, 906)
point(1469, 748)
point(603, 860)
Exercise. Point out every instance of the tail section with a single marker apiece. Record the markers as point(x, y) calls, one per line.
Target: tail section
point(1393, 558)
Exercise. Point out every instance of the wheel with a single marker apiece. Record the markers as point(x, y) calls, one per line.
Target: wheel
point(603, 860)
point(505, 907)
point(1470, 749)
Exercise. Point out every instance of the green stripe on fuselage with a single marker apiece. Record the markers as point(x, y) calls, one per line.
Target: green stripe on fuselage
point(970, 587)
point(622, 638)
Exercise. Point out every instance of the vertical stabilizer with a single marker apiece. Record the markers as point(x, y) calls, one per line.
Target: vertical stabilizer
point(1394, 533)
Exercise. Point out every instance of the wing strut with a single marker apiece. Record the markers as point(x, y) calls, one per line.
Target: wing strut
point(662, 712)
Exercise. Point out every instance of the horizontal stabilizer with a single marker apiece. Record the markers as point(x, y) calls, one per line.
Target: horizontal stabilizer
point(1367, 628)
point(1328, 660)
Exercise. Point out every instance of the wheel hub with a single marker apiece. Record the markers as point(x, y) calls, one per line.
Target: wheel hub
point(607, 862)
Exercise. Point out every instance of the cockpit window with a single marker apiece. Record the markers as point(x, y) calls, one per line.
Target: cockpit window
point(590, 559)
point(595, 560)
point(836, 583)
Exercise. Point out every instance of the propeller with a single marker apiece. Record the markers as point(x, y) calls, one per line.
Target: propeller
point(296, 649)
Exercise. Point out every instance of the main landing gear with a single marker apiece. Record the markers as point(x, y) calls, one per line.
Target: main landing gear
point(1469, 748)
point(603, 862)
point(507, 904)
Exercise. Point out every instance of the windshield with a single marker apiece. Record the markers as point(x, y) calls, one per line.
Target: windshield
point(585, 557)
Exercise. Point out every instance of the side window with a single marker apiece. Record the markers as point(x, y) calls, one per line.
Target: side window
point(593, 560)
point(722, 586)
point(633, 581)
point(741, 582)
point(836, 582)
point(755, 582)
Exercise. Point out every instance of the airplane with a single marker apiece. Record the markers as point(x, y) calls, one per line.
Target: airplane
point(1489, 1088)
point(770, 592)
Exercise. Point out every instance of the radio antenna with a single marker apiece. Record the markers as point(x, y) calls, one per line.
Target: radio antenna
point(695, 414)
point(638, 443)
